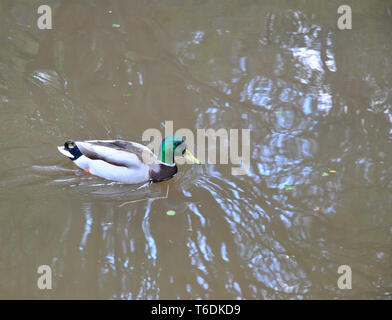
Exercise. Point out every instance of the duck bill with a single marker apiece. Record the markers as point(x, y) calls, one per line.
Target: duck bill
point(190, 158)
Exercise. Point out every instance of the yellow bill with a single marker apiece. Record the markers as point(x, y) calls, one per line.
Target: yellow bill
point(190, 158)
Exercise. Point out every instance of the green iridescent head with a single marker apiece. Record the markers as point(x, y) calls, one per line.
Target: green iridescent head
point(175, 146)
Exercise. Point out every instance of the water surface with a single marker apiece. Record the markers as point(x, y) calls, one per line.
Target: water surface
point(318, 194)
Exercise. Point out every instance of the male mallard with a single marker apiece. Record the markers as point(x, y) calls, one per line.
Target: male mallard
point(126, 161)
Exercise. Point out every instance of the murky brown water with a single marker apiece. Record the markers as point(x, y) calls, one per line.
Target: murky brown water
point(317, 100)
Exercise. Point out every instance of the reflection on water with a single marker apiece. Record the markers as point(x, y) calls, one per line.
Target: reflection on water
point(318, 193)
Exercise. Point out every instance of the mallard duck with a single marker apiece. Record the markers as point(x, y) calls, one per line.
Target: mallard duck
point(126, 161)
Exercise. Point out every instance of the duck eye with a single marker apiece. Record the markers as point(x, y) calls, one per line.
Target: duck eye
point(183, 151)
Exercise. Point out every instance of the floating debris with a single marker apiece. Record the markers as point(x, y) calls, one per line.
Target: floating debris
point(170, 212)
point(156, 198)
point(326, 173)
point(288, 188)
point(127, 94)
point(115, 25)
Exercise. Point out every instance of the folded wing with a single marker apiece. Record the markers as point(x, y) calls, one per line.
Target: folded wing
point(117, 152)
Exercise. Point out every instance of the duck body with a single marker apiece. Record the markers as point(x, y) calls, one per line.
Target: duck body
point(118, 160)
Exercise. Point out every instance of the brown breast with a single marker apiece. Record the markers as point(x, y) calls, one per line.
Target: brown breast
point(162, 173)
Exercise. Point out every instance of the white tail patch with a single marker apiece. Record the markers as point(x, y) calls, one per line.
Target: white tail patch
point(65, 152)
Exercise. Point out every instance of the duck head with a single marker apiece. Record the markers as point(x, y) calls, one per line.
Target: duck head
point(175, 146)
